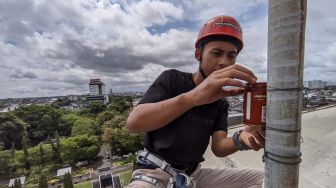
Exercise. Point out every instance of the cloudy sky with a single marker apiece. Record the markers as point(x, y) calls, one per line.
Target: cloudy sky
point(50, 48)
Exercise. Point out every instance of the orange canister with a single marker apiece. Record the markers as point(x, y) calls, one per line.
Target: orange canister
point(254, 112)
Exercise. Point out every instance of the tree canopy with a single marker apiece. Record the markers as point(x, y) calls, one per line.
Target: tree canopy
point(43, 181)
point(67, 181)
point(121, 141)
point(121, 104)
point(61, 102)
point(12, 130)
point(79, 148)
point(93, 109)
point(43, 120)
point(84, 125)
point(66, 123)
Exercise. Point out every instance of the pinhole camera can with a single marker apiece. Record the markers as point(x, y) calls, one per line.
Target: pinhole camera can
point(254, 112)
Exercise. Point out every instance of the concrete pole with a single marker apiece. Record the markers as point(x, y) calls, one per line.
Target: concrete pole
point(286, 29)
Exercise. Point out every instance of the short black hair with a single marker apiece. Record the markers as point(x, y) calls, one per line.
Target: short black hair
point(232, 40)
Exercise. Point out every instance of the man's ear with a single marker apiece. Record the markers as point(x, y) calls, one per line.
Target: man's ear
point(198, 54)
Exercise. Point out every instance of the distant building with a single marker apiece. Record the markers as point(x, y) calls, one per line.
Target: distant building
point(72, 97)
point(97, 92)
point(21, 179)
point(97, 87)
point(10, 108)
point(106, 179)
point(63, 171)
point(315, 84)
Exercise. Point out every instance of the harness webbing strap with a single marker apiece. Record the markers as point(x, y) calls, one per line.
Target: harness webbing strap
point(178, 180)
point(145, 178)
point(162, 164)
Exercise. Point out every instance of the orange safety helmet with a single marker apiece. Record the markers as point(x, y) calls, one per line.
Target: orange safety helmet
point(221, 26)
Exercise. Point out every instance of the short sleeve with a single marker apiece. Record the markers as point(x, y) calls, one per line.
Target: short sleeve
point(160, 90)
point(221, 123)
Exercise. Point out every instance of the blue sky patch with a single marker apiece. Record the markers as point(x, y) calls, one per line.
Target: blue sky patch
point(185, 24)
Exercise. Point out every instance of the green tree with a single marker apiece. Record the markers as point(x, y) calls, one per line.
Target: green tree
point(105, 116)
point(118, 121)
point(13, 150)
point(108, 134)
point(33, 157)
point(66, 123)
point(84, 125)
point(61, 102)
point(4, 163)
point(94, 109)
point(1, 145)
point(43, 120)
point(55, 145)
point(121, 104)
point(41, 155)
point(11, 130)
point(121, 141)
point(25, 153)
point(67, 181)
point(43, 181)
point(13, 165)
point(79, 148)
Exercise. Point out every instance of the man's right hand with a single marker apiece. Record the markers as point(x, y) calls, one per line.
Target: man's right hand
point(213, 87)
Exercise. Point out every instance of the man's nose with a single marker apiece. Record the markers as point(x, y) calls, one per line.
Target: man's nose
point(224, 62)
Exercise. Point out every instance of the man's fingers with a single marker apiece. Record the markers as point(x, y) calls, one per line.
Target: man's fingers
point(231, 87)
point(253, 144)
point(233, 91)
point(236, 74)
point(261, 133)
point(231, 82)
point(259, 140)
point(239, 68)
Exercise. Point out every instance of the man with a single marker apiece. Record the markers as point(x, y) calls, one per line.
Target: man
point(181, 111)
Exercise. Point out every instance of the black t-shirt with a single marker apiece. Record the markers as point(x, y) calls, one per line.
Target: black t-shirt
point(183, 141)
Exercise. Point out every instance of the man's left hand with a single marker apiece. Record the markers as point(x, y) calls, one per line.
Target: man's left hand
point(253, 137)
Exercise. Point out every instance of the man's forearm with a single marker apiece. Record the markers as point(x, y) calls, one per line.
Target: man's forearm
point(152, 116)
point(224, 147)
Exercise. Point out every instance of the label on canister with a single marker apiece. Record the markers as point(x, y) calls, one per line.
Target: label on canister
point(254, 112)
point(248, 106)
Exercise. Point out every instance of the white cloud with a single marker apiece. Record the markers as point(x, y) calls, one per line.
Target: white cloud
point(320, 49)
point(55, 47)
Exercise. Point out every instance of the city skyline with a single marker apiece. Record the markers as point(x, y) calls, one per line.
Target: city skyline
point(55, 48)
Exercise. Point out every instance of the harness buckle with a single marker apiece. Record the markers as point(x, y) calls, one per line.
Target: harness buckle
point(182, 180)
point(178, 180)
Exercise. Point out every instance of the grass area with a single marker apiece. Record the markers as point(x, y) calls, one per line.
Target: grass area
point(80, 171)
point(87, 184)
point(126, 176)
point(119, 163)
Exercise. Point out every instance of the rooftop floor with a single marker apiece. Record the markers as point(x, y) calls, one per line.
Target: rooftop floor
point(318, 167)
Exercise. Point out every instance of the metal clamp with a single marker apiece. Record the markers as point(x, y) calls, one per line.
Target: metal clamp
point(268, 155)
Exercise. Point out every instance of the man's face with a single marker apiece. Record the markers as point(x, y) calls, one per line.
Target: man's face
point(217, 55)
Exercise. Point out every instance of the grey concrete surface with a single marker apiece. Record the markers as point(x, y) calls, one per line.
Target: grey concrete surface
point(318, 167)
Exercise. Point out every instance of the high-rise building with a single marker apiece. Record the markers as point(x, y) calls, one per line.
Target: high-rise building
point(96, 87)
point(97, 91)
point(317, 84)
